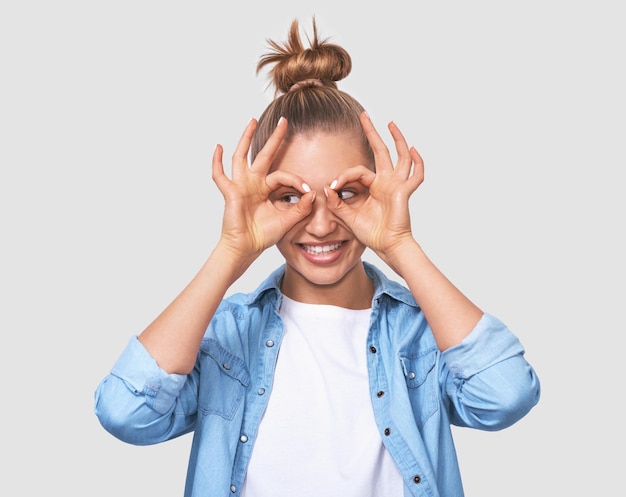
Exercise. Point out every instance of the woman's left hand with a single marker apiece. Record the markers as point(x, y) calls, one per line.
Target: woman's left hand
point(382, 222)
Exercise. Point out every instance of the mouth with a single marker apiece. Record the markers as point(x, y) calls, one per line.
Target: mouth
point(321, 249)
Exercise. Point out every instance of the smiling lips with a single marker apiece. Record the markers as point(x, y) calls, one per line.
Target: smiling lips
point(322, 253)
point(320, 249)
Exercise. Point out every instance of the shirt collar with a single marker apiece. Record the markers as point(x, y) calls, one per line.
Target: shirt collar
point(382, 286)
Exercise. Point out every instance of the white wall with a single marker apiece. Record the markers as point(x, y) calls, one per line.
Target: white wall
point(109, 113)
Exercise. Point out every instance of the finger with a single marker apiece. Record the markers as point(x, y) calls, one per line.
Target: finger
point(278, 178)
point(339, 208)
point(217, 168)
point(381, 152)
point(405, 161)
point(299, 211)
point(240, 156)
point(359, 174)
point(264, 158)
point(418, 168)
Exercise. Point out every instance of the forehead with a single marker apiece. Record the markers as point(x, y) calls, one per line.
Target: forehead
point(320, 154)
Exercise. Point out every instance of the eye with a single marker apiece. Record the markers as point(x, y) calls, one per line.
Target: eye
point(290, 198)
point(346, 194)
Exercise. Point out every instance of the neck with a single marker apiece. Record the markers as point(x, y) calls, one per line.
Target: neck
point(354, 291)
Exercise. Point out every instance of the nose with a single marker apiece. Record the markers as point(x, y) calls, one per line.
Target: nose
point(321, 222)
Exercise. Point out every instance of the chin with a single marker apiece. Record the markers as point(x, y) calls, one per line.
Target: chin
point(324, 275)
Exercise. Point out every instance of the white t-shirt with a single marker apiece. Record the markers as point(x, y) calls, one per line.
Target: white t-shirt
point(318, 436)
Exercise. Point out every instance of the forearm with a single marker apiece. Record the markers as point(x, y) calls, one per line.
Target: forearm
point(174, 337)
point(450, 314)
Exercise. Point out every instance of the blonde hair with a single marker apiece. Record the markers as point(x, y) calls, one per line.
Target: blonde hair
point(306, 93)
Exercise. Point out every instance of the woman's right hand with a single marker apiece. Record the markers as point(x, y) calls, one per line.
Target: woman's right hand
point(251, 220)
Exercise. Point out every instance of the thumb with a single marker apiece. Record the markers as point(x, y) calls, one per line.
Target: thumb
point(339, 208)
point(300, 210)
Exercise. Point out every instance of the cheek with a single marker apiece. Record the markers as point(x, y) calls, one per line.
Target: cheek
point(287, 239)
point(288, 249)
point(360, 248)
point(358, 201)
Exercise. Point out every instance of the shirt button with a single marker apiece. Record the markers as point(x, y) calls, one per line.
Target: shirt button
point(270, 343)
point(261, 391)
point(380, 394)
point(416, 479)
point(226, 366)
point(233, 488)
point(243, 439)
point(412, 375)
point(373, 349)
point(387, 431)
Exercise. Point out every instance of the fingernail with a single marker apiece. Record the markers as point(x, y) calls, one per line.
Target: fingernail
point(333, 184)
point(326, 192)
point(306, 187)
point(280, 121)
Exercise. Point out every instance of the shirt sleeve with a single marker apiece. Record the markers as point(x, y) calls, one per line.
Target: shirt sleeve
point(138, 402)
point(488, 381)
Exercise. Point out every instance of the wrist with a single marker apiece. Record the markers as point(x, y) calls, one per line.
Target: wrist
point(229, 261)
point(404, 254)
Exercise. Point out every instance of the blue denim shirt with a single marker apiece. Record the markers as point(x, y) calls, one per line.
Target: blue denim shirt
point(417, 391)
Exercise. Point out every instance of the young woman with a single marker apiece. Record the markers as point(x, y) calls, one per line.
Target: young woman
point(329, 379)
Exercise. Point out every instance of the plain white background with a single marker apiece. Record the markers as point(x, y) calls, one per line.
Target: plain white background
point(109, 113)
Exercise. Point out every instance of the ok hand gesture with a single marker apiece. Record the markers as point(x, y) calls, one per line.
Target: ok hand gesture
point(251, 222)
point(382, 222)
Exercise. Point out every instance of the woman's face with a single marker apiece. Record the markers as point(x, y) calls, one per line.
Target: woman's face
point(323, 257)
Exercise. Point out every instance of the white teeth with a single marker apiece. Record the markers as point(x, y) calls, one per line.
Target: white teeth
point(321, 249)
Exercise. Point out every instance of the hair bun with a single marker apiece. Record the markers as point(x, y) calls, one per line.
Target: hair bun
point(294, 66)
point(305, 83)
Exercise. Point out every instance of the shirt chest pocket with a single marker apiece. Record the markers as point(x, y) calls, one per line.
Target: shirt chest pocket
point(422, 384)
point(223, 380)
